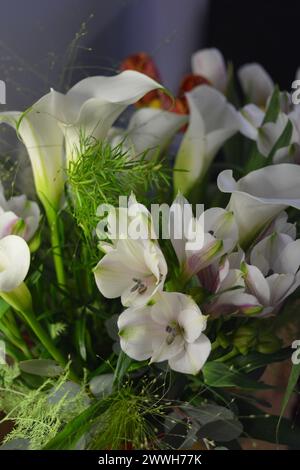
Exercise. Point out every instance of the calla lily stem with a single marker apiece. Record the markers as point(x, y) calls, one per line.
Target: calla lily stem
point(53, 222)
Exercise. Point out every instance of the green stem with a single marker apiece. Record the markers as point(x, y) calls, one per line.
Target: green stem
point(230, 355)
point(53, 222)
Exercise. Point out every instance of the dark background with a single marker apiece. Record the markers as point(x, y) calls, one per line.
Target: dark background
point(35, 35)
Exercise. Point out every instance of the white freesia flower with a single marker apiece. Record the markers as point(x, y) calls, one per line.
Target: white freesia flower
point(170, 330)
point(18, 216)
point(212, 121)
point(134, 270)
point(257, 198)
point(273, 272)
point(256, 83)
point(210, 64)
point(14, 262)
point(219, 235)
point(149, 130)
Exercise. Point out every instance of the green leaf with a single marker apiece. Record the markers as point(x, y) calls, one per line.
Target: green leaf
point(273, 108)
point(122, 367)
point(42, 367)
point(256, 360)
point(283, 141)
point(293, 379)
point(80, 332)
point(217, 374)
point(4, 306)
point(75, 429)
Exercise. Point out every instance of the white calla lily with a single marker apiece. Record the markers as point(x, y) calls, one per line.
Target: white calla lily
point(134, 270)
point(210, 64)
point(257, 198)
point(170, 329)
point(256, 83)
point(43, 140)
point(91, 106)
point(149, 130)
point(212, 121)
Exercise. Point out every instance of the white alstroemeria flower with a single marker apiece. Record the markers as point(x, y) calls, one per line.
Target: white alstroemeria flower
point(212, 121)
point(170, 330)
point(281, 225)
point(149, 130)
point(257, 198)
point(133, 221)
point(210, 64)
point(14, 262)
point(251, 118)
point(134, 270)
point(256, 83)
point(18, 216)
point(269, 133)
point(273, 273)
point(219, 235)
point(225, 279)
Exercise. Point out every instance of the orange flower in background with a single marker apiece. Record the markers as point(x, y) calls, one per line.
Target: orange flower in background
point(142, 62)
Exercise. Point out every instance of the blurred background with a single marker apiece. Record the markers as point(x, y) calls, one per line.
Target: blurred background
point(45, 44)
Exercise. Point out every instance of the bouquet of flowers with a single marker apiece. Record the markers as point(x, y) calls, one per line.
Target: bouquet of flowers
point(154, 278)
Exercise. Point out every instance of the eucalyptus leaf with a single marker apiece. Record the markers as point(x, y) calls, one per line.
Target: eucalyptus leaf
point(217, 374)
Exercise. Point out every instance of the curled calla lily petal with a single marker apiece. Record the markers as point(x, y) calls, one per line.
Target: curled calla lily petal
point(171, 329)
point(256, 83)
point(210, 63)
point(43, 139)
point(92, 105)
point(212, 121)
point(14, 262)
point(150, 130)
point(257, 198)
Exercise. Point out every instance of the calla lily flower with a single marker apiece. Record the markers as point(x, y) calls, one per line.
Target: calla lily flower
point(220, 235)
point(257, 198)
point(212, 121)
point(210, 63)
point(92, 105)
point(135, 270)
point(18, 216)
point(256, 83)
point(273, 273)
point(169, 330)
point(149, 130)
point(43, 140)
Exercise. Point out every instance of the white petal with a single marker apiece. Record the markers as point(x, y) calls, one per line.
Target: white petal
point(256, 83)
point(7, 223)
point(281, 285)
point(250, 119)
point(209, 63)
point(180, 217)
point(212, 122)
point(192, 322)
point(193, 357)
point(152, 130)
point(258, 197)
point(257, 284)
point(14, 262)
point(269, 134)
point(265, 253)
point(288, 258)
point(136, 330)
